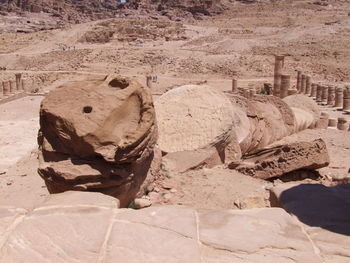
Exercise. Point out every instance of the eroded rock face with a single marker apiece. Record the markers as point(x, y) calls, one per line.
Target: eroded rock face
point(98, 136)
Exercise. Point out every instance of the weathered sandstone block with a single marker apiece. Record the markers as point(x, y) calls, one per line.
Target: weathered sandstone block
point(98, 136)
point(277, 161)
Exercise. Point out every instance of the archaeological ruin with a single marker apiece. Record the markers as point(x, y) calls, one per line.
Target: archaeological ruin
point(174, 131)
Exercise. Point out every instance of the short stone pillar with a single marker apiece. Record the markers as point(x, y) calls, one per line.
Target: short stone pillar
point(149, 81)
point(313, 90)
point(279, 62)
point(343, 124)
point(303, 84)
point(23, 84)
point(339, 96)
point(331, 96)
point(246, 93)
point(324, 95)
point(12, 87)
point(2, 89)
point(299, 80)
point(285, 85)
point(308, 85)
point(346, 99)
point(267, 89)
point(234, 85)
point(252, 92)
point(322, 123)
point(6, 88)
point(318, 93)
point(332, 122)
point(18, 81)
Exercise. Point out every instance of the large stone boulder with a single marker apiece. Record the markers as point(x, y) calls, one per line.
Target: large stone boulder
point(98, 135)
point(112, 119)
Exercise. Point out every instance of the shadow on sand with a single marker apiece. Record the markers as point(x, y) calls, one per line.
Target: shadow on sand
point(320, 206)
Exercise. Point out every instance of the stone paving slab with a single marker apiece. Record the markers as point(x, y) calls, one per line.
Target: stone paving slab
point(89, 227)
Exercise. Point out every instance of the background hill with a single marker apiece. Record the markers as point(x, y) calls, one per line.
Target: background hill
point(77, 11)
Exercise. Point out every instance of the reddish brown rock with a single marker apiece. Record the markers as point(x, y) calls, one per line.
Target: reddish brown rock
point(277, 161)
point(112, 119)
point(98, 136)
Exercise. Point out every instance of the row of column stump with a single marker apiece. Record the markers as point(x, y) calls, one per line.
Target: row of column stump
point(326, 95)
point(12, 87)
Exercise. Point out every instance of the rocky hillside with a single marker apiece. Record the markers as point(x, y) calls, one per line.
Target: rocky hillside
point(76, 11)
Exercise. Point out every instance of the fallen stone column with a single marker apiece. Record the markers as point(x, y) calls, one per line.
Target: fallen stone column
point(346, 99)
point(277, 161)
point(196, 125)
point(331, 96)
point(339, 96)
point(279, 61)
point(200, 123)
point(275, 121)
point(305, 110)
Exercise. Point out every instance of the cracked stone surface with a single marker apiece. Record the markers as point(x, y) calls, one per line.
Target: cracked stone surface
point(324, 215)
point(90, 227)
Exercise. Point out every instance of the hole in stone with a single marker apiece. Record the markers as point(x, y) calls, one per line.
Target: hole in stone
point(118, 83)
point(87, 109)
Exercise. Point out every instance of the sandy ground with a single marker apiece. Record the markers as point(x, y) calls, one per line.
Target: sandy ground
point(239, 43)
